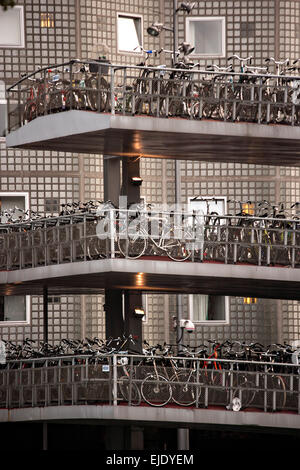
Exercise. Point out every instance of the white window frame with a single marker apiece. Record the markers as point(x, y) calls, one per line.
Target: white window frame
point(209, 322)
point(190, 300)
point(134, 16)
point(191, 19)
point(27, 297)
point(22, 31)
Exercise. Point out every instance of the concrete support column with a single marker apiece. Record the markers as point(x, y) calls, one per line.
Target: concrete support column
point(117, 321)
point(136, 438)
point(45, 436)
point(183, 439)
point(133, 324)
point(45, 314)
point(111, 177)
point(113, 307)
point(115, 438)
point(130, 169)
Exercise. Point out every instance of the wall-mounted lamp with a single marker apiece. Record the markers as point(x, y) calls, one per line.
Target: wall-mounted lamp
point(136, 180)
point(250, 300)
point(139, 312)
point(156, 28)
point(186, 6)
point(186, 48)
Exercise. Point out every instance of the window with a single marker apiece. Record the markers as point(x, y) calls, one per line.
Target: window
point(15, 308)
point(207, 35)
point(12, 27)
point(47, 20)
point(51, 206)
point(208, 308)
point(3, 110)
point(129, 33)
point(247, 29)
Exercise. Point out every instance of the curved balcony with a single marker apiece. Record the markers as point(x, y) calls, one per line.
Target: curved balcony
point(161, 251)
point(154, 112)
point(124, 387)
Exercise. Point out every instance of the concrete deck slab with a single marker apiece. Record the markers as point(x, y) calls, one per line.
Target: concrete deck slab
point(172, 138)
point(150, 275)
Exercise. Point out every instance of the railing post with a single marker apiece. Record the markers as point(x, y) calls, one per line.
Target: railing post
point(112, 232)
point(71, 240)
point(197, 383)
point(19, 105)
point(265, 388)
point(45, 92)
point(84, 238)
point(112, 90)
point(259, 101)
point(115, 380)
point(293, 244)
point(71, 85)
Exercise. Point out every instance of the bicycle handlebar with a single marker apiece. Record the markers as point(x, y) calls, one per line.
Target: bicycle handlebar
point(235, 56)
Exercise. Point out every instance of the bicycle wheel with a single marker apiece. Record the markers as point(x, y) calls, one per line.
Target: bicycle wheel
point(132, 247)
point(156, 390)
point(130, 392)
point(176, 250)
point(97, 94)
point(278, 387)
point(96, 248)
point(244, 389)
point(184, 388)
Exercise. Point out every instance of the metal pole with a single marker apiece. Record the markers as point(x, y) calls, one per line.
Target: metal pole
point(175, 32)
point(45, 314)
point(45, 436)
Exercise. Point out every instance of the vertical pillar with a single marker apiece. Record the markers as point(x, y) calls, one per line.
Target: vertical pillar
point(133, 324)
point(113, 307)
point(183, 439)
point(116, 325)
point(111, 177)
point(45, 314)
point(45, 436)
point(130, 169)
point(136, 438)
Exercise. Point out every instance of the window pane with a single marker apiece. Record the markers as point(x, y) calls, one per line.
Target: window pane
point(128, 33)
point(12, 27)
point(200, 307)
point(208, 308)
point(206, 36)
point(15, 308)
point(3, 110)
point(12, 308)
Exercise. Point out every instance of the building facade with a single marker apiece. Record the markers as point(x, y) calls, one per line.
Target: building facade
point(49, 32)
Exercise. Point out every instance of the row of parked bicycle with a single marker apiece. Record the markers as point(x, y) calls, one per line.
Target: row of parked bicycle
point(230, 373)
point(258, 233)
point(239, 208)
point(97, 348)
point(269, 93)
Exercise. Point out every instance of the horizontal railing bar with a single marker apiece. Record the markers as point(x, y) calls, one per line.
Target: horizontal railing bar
point(148, 358)
point(146, 212)
point(153, 68)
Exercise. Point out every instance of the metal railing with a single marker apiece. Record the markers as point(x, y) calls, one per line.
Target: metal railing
point(161, 92)
point(176, 236)
point(134, 380)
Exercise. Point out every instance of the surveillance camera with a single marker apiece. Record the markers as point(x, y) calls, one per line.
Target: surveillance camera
point(188, 325)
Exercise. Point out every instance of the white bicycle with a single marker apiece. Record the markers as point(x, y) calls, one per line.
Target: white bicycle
point(135, 238)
